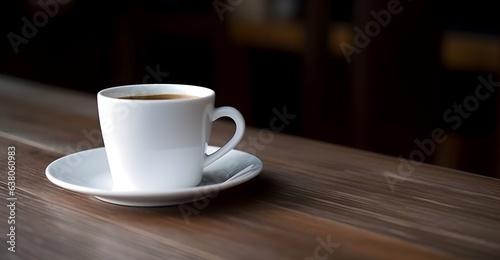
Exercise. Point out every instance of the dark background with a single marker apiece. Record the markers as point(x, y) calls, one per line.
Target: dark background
point(275, 55)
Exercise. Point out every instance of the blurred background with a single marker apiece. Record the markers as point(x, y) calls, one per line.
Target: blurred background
point(382, 75)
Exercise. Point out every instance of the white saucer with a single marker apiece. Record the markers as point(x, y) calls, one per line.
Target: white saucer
point(88, 172)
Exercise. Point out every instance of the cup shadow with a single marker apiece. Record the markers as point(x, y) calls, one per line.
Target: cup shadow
point(243, 196)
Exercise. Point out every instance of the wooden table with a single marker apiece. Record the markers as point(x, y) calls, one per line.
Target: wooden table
point(313, 200)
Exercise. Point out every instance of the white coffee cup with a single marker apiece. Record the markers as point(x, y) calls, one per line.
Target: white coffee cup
point(159, 145)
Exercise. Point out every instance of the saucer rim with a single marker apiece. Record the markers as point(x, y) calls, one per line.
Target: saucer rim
point(138, 194)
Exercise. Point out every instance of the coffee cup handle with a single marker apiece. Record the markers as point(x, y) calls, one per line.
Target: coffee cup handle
point(236, 116)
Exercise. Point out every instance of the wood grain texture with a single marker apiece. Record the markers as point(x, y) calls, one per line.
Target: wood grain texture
point(308, 192)
point(234, 225)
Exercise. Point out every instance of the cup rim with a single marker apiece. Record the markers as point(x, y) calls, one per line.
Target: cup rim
point(118, 92)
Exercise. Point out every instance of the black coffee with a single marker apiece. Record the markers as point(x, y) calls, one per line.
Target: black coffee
point(160, 96)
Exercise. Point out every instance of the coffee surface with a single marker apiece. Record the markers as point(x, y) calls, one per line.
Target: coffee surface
point(159, 97)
